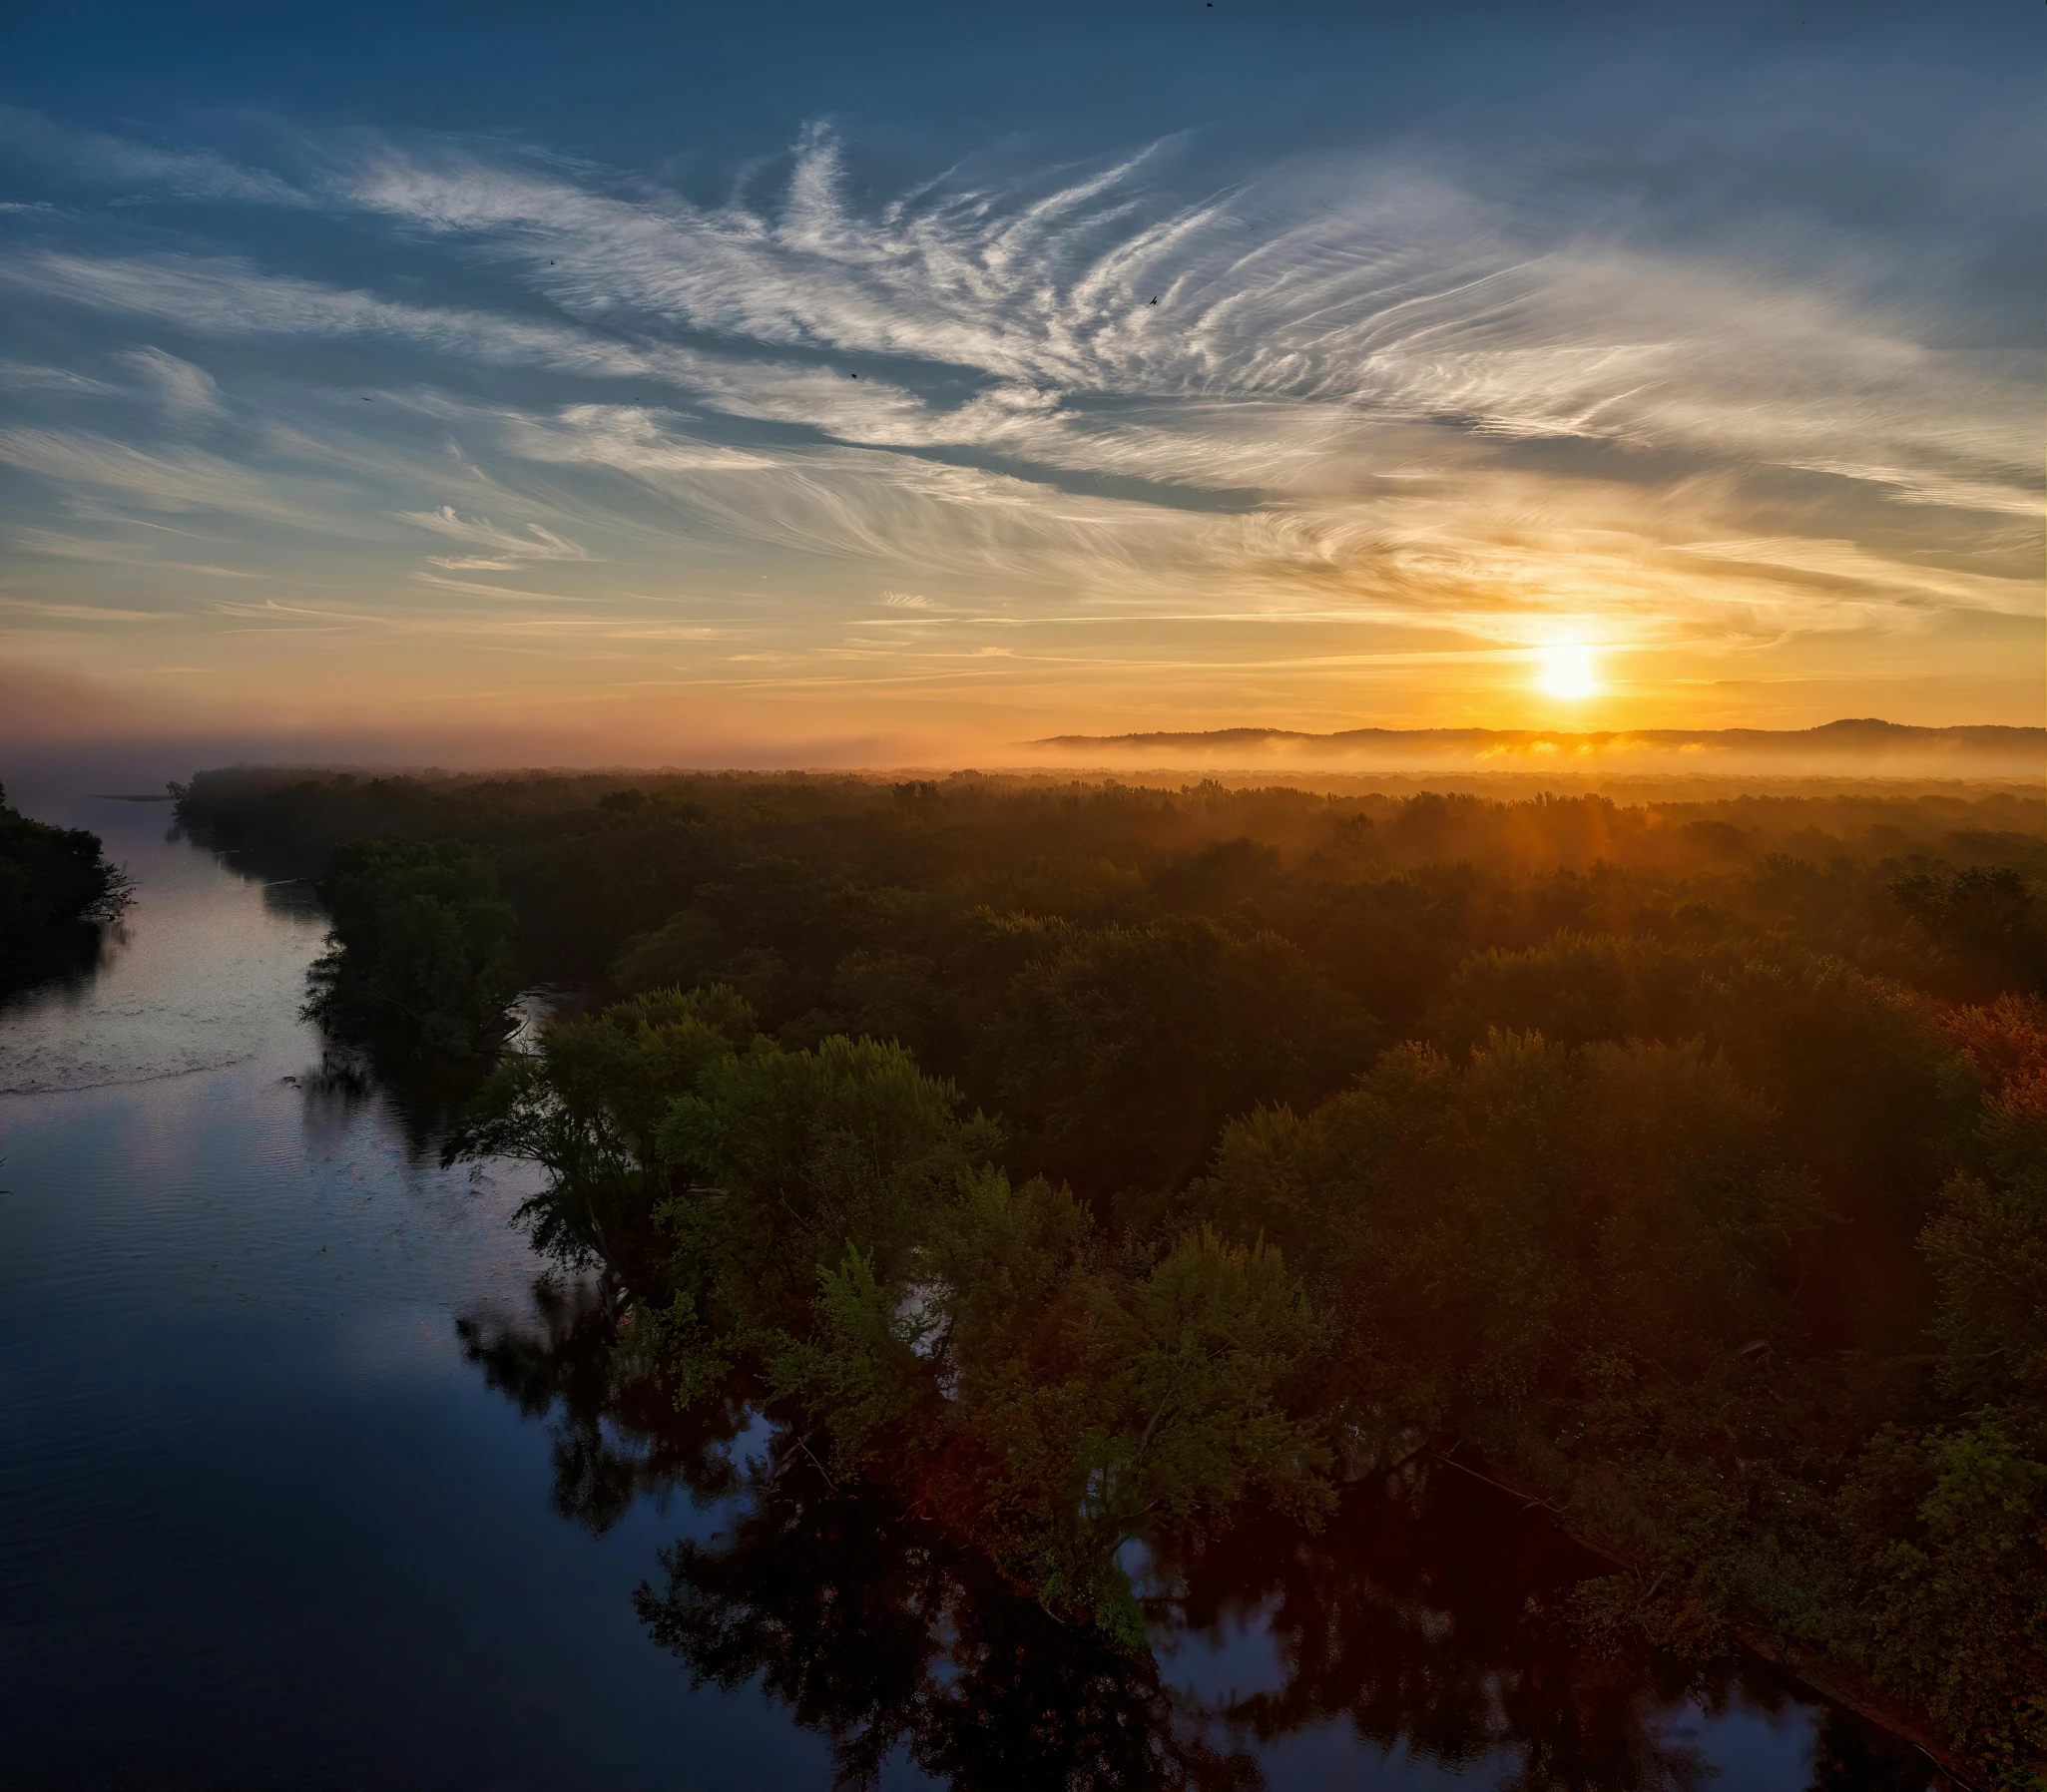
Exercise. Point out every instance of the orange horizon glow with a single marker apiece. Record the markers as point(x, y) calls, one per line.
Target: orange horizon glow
point(775, 487)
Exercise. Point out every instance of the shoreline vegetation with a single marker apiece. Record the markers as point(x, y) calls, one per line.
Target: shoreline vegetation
point(1084, 1162)
point(56, 890)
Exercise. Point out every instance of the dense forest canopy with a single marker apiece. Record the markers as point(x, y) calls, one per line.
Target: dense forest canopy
point(1087, 1163)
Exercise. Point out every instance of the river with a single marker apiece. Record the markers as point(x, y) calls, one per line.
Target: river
point(269, 1519)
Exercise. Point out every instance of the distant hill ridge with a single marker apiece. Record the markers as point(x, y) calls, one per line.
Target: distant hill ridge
point(1863, 737)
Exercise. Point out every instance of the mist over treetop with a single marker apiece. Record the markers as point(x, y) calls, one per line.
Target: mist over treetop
point(1864, 746)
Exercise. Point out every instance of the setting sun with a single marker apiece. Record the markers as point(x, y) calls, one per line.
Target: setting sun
point(1568, 672)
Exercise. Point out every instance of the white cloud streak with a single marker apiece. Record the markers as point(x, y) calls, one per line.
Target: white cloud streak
point(102, 161)
point(176, 479)
point(187, 392)
point(1404, 298)
point(505, 548)
point(1362, 393)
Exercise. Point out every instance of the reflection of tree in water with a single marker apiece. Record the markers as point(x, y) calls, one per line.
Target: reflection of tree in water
point(879, 1635)
point(617, 1434)
point(1428, 1615)
point(57, 960)
point(419, 1097)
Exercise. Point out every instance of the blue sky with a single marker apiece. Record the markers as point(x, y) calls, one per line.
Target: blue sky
point(837, 383)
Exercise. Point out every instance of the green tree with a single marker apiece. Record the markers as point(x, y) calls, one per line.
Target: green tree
point(1054, 1406)
point(1944, 1540)
point(588, 1105)
point(421, 940)
point(791, 1161)
point(1124, 1050)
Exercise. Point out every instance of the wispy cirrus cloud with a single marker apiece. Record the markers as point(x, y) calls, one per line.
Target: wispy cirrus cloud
point(31, 376)
point(504, 549)
point(230, 297)
point(1358, 394)
point(1271, 349)
point(1399, 295)
point(104, 552)
point(93, 157)
point(78, 613)
point(185, 390)
point(172, 479)
point(480, 588)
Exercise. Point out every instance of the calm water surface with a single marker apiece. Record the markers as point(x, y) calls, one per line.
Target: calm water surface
point(267, 1517)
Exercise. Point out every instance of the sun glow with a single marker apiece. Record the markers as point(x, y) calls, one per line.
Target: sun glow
point(1568, 672)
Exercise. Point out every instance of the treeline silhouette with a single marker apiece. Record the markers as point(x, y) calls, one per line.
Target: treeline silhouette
point(1084, 1163)
point(56, 886)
